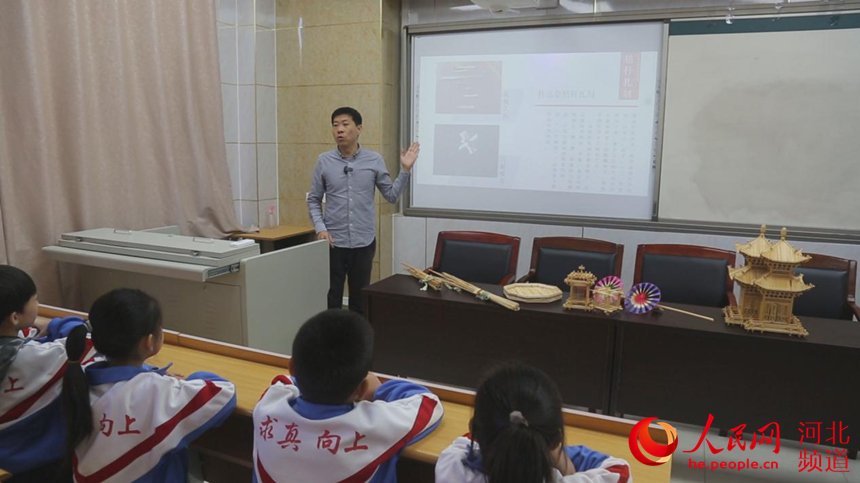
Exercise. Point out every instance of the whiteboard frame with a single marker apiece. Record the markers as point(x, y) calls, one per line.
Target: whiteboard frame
point(657, 131)
point(827, 235)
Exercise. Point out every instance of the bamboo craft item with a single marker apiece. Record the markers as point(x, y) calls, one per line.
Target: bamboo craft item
point(424, 277)
point(580, 283)
point(537, 293)
point(769, 286)
point(645, 297)
point(673, 309)
point(476, 291)
point(608, 294)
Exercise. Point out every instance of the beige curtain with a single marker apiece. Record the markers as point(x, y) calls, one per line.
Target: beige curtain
point(110, 116)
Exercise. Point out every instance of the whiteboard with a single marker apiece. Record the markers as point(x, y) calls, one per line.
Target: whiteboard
point(764, 127)
point(553, 120)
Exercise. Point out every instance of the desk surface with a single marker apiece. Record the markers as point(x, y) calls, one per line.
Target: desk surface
point(190, 354)
point(4, 475)
point(276, 233)
point(252, 379)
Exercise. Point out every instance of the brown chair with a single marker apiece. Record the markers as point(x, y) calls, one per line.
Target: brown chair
point(835, 281)
point(477, 257)
point(553, 258)
point(687, 274)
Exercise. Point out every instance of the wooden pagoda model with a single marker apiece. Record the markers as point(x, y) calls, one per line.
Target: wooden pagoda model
point(580, 283)
point(768, 286)
point(746, 276)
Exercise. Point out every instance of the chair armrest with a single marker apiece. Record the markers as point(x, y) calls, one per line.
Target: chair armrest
point(527, 277)
point(854, 308)
point(733, 302)
point(508, 278)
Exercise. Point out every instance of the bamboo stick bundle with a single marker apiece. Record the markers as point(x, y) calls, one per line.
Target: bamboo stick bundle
point(476, 291)
point(424, 277)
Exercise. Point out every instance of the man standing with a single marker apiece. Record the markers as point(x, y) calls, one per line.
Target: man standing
point(347, 177)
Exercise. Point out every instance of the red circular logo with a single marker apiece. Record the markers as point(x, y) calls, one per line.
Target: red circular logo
point(639, 436)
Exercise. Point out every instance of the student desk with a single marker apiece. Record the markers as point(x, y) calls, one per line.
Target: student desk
point(252, 371)
point(666, 365)
point(278, 237)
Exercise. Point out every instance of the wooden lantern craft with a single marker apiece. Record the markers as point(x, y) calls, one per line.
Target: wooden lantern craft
point(580, 283)
point(768, 286)
point(608, 294)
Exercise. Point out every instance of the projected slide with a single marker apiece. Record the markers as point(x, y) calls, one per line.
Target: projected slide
point(547, 122)
point(557, 123)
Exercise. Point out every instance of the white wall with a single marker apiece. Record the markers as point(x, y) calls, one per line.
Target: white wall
point(246, 45)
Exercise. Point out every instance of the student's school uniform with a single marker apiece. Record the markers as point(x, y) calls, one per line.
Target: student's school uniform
point(32, 428)
point(144, 421)
point(296, 440)
point(461, 463)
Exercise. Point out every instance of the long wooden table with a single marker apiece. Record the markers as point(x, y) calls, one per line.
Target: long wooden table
point(252, 371)
point(666, 365)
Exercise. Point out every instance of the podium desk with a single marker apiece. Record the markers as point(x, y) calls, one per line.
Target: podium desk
point(663, 364)
point(680, 368)
point(454, 338)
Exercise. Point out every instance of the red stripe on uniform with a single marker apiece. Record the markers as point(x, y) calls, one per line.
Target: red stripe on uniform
point(425, 413)
point(282, 379)
point(264, 475)
point(18, 410)
point(88, 344)
point(160, 434)
point(623, 472)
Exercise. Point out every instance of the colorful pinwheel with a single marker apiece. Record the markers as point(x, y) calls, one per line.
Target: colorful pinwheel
point(642, 298)
point(611, 281)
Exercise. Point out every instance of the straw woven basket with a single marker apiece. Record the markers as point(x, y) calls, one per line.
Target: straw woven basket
point(535, 293)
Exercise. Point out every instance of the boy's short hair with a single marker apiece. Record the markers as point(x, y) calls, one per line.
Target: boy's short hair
point(16, 289)
point(331, 356)
point(356, 117)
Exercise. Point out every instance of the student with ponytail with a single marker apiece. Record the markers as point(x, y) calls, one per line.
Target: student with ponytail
point(518, 437)
point(128, 421)
point(32, 432)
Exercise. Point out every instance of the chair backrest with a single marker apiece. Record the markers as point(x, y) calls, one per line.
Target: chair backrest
point(477, 257)
point(553, 258)
point(686, 274)
point(835, 281)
